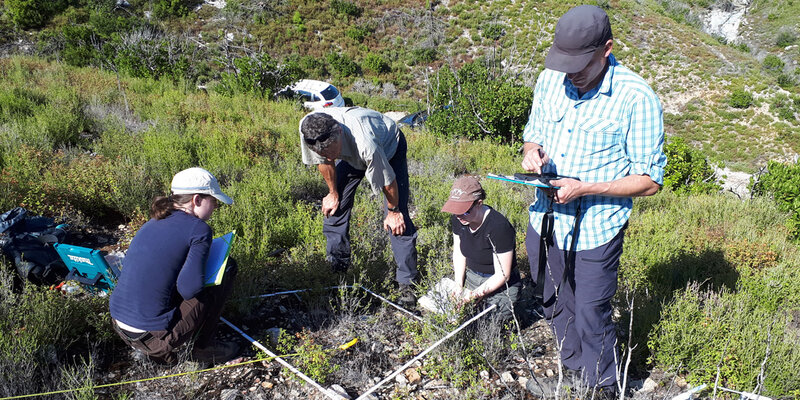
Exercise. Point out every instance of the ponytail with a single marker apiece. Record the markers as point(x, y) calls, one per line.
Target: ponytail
point(163, 206)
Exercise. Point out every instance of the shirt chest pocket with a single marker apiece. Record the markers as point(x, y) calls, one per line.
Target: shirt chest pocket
point(600, 135)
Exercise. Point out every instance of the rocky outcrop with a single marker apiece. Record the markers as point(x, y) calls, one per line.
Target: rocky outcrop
point(725, 18)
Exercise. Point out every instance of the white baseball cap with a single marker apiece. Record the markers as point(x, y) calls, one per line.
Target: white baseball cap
point(198, 181)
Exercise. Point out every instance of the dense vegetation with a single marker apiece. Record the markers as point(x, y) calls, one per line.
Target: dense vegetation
point(95, 124)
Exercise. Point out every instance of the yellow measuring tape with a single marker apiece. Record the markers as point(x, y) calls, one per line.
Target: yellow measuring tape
point(342, 347)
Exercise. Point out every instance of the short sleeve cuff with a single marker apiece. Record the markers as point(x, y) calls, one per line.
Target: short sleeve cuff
point(378, 182)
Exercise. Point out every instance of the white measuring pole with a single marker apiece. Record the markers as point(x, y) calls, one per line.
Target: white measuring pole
point(283, 362)
point(426, 351)
point(385, 300)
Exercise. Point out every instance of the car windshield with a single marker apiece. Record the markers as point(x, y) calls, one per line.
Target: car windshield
point(329, 93)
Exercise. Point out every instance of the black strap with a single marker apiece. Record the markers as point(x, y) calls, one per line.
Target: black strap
point(133, 336)
point(546, 240)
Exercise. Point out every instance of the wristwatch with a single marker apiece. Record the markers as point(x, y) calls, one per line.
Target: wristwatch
point(394, 209)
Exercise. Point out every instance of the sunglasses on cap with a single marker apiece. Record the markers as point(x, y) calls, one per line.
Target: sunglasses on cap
point(318, 139)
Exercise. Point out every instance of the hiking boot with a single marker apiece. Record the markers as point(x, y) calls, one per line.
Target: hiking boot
point(216, 353)
point(407, 299)
point(546, 388)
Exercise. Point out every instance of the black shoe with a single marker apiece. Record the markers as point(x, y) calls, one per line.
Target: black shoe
point(407, 299)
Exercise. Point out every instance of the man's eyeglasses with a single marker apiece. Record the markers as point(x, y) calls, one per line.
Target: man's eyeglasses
point(318, 139)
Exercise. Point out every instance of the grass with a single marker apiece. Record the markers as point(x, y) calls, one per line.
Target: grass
point(251, 145)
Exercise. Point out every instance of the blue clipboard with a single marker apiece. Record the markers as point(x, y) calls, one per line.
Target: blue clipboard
point(217, 260)
point(530, 180)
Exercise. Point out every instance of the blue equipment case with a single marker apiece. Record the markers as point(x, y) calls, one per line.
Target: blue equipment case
point(87, 266)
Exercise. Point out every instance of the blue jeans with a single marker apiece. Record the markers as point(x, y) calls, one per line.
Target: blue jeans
point(337, 227)
point(580, 314)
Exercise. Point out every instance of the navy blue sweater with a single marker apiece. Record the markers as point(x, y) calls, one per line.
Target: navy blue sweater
point(165, 259)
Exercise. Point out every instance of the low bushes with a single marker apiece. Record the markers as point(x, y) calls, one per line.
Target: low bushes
point(740, 98)
point(39, 327)
point(33, 14)
point(260, 75)
point(474, 103)
point(687, 169)
point(782, 183)
point(714, 287)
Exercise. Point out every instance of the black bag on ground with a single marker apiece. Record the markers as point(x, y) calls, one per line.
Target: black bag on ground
point(28, 242)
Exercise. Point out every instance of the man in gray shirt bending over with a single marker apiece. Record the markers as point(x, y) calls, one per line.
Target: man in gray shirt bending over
point(367, 144)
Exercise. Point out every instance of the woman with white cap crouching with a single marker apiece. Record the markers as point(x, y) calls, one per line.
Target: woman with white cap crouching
point(160, 300)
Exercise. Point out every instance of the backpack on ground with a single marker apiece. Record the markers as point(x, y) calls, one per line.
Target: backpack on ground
point(28, 241)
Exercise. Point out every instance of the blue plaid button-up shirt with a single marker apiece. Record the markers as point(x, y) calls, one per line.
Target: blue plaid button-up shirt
point(612, 131)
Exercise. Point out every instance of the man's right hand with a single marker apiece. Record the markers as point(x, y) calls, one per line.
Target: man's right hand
point(330, 204)
point(534, 158)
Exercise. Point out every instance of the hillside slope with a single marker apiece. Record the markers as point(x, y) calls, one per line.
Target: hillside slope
point(390, 48)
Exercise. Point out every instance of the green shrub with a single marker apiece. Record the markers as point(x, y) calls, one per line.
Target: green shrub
point(785, 38)
point(150, 54)
point(721, 244)
point(311, 357)
point(260, 75)
point(740, 98)
point(772, 63)
point(34, 14)
point(782, 182)
point(172, 8)
point(784, 80)
point(687, 169)
point(342, 65)
point(18, 103)
point(297, 21)
point(78, 50)
point(493, 31)
point(726, 336)
point(39, 327)
point(346, 7)
point(743, 47)
point(61, 184)
point(783, 105)
point(375, 63)
point(357, 33)
point(457, 101)
point(308, 66)
point(424, 55)
point(384, 104)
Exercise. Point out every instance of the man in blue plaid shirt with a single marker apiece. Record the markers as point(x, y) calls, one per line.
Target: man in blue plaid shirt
point(599, 124)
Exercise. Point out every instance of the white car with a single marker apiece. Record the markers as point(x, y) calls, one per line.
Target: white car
point(316, 95)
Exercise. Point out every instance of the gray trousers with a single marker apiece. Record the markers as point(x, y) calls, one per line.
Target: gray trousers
point(505, 297)
point(337, 227)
